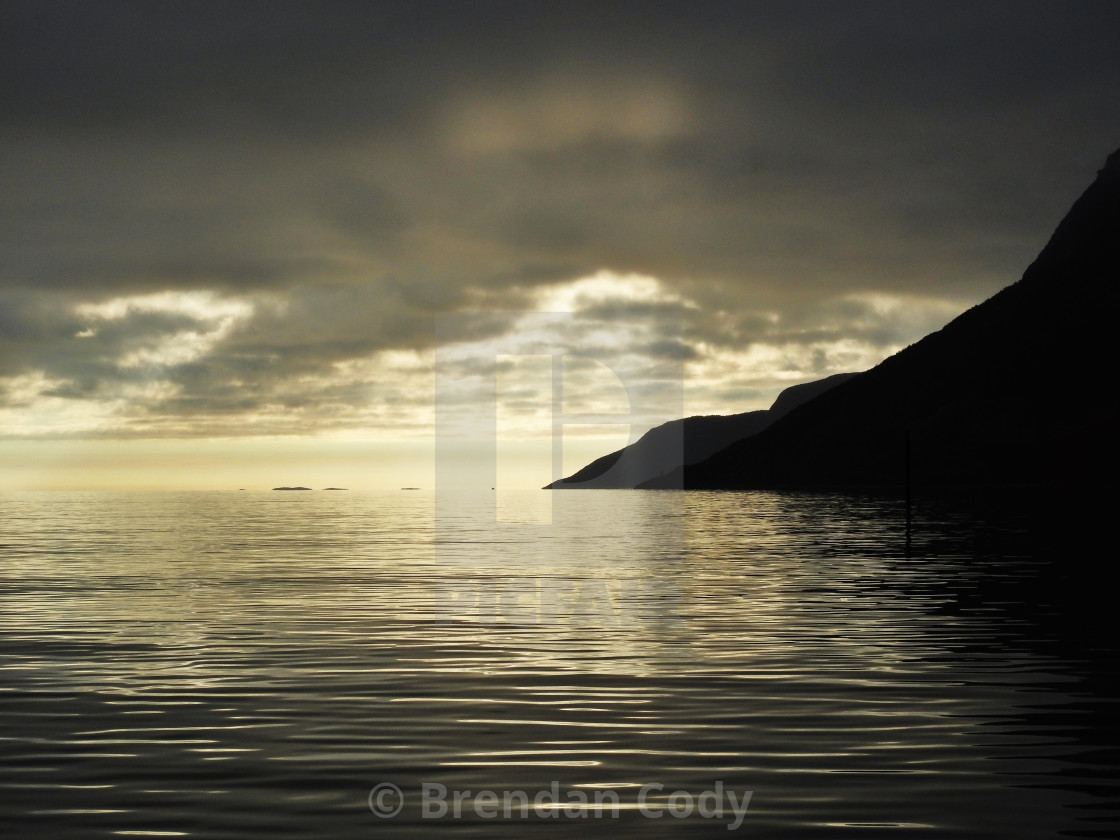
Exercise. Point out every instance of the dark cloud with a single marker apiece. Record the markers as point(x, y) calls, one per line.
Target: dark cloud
point(351, 170)
point(669, 349)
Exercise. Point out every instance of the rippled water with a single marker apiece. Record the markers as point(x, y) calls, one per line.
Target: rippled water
point(252, 664)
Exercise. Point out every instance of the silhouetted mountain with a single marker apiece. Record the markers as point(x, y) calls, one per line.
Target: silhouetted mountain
point(666, 447)
point(1017, 390)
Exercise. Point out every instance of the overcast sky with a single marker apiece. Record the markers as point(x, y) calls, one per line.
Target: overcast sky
point(244, 220)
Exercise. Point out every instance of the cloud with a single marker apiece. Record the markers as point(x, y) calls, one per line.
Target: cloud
point(211, 320)
point(276, 198)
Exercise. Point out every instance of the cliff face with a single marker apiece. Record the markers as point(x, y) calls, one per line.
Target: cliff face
point(1017, 390)
point(665, 448)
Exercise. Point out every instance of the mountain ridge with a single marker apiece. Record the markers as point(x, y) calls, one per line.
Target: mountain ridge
point(686, 441)
point(973, 402)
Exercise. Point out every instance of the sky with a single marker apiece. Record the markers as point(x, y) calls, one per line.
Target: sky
point(248, 244)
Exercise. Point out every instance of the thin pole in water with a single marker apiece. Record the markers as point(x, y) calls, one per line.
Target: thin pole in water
point(909, 504)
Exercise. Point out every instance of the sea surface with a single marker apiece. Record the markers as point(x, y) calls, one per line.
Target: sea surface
point(596, 663)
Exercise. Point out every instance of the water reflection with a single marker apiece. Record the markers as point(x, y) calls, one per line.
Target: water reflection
point(212, 665)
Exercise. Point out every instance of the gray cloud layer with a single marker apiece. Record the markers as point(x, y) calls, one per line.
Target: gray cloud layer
point(349, 169)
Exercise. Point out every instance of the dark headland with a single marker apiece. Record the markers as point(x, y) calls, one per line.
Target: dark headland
point(666, 447)
point(291, 488)
point(1017, 391)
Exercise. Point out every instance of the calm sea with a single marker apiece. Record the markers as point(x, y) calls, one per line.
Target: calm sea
point(597, 663)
